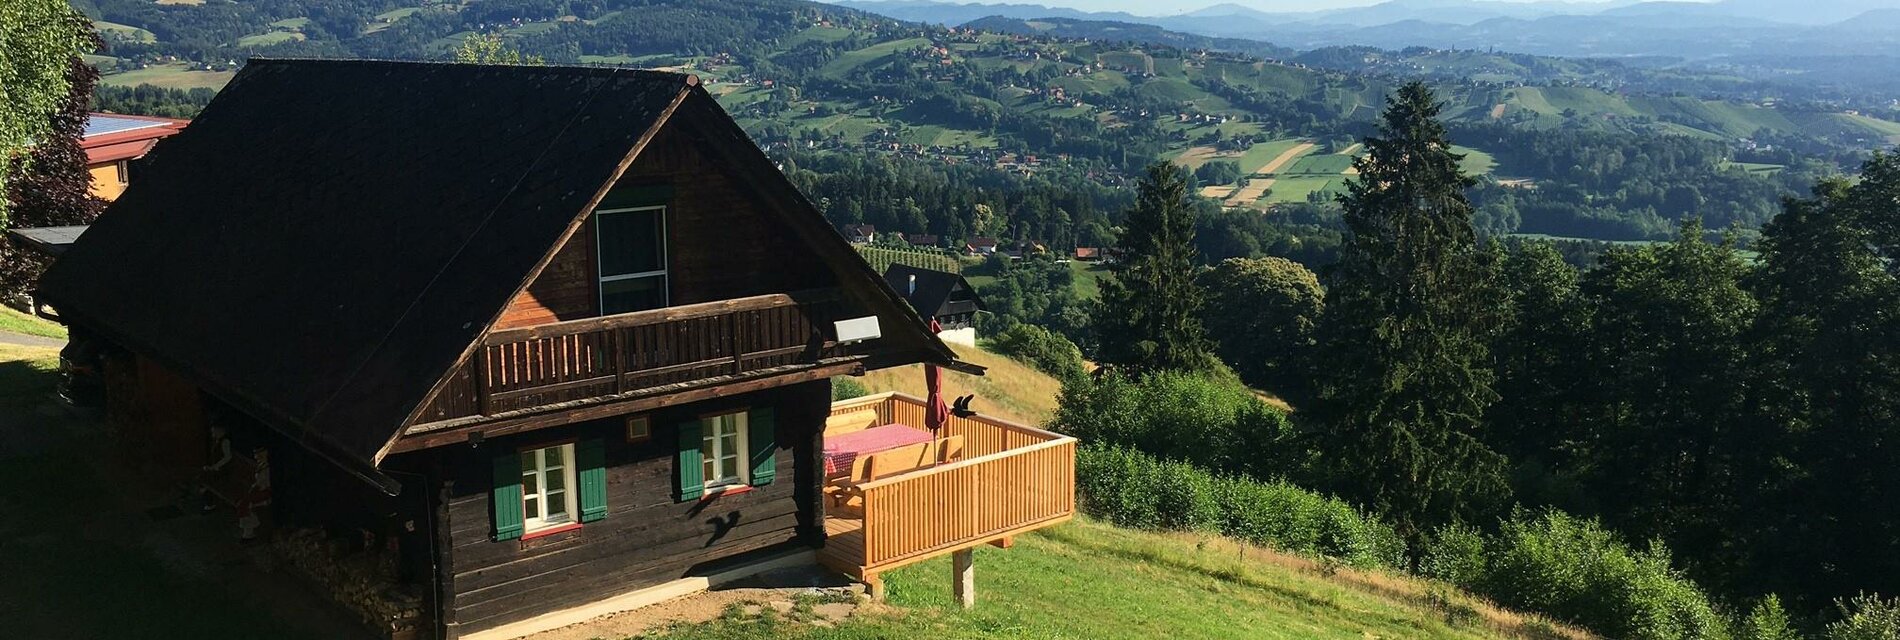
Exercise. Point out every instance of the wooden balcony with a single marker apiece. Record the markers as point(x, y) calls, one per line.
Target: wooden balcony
point(1011, 479)
point(616, 356)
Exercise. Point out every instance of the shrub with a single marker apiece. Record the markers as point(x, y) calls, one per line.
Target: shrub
point(1041, 349)
point(1867, 617)
point(1575, 570)
point(1132, 489)
point(1455, 553)
point(1210, 420)
point(843, 388)
point(1766, 621)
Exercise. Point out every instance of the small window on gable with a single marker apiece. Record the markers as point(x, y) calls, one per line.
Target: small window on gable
point(547, 487)
point(125, 172)
point(631, 243)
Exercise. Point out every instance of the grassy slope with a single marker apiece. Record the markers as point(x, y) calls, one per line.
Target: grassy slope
point(1090, 580)
point(1009, 390)
point(17, 322)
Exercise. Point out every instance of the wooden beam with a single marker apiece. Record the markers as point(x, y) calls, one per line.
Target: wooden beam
point(454, 431)
point(657, 316)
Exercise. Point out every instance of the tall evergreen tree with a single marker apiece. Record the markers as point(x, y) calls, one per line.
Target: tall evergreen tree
point(1149, 316)
point(1827, 361)
point(1403, 370)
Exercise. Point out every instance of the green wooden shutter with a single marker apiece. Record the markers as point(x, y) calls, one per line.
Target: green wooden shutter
point(762, 435)
point(507, 495)
point(591, 455)
point(692, 482)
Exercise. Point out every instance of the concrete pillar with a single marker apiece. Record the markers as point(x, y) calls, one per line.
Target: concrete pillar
point(965, 578)
point(874, 588)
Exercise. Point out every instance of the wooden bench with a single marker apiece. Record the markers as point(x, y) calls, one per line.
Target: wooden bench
point(851, 422)
point(848, 502)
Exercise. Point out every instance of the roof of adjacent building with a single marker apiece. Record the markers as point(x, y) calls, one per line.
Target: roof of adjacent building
point(50, 241)
point(935, 291)
point(326, 290)
point(110, 137)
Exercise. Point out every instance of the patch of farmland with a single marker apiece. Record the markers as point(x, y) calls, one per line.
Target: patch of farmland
point(1330, 164)
point(171, 76)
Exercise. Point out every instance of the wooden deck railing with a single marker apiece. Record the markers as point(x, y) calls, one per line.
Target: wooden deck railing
point(602, 357)
point(1014, 479)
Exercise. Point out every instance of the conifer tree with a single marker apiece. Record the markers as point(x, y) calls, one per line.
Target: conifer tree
point(1403, 376)
point(1149, 317)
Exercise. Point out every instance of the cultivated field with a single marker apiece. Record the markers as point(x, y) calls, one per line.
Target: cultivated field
point(171, 76)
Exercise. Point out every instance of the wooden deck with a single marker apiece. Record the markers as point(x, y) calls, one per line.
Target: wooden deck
point(1012, 480)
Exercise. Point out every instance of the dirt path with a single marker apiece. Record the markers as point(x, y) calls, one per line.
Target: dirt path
point(1497, 111)
point(819, 598)
point(24, 340)
point(1258, 186)
point(1287, 157)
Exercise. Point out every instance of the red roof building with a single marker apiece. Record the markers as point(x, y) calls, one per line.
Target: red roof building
point(112, 142)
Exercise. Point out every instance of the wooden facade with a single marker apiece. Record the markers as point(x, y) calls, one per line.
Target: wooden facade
point(647, 537)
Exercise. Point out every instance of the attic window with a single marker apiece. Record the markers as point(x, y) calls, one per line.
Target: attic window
point(632, 247)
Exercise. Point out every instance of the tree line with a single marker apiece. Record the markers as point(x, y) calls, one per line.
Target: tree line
point(1743, 412)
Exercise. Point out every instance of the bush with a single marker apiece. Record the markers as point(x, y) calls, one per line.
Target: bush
point(1867, 618)
point(1574, 569)
point(1455, 553)
point(1766, 621)
point(843, 388)
point(1132, 489)
point(1041, 349)
point(1209, 420)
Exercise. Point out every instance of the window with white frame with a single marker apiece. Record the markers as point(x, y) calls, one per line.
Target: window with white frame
point(547, 487)
point(631, 247)
point(722, 451)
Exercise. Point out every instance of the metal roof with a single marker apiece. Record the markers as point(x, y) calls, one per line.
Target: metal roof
point(102, 124)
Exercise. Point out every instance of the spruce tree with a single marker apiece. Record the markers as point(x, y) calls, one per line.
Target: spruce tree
point(1149, 314)
point(1403, 376)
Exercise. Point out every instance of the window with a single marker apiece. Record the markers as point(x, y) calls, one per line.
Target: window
point(722, 450)
point(632, 258)
point(639, 429)
point(125, 172)
point(547, 478)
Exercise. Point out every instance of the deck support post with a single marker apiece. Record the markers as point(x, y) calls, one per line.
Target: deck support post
point(965, 583)
point(874, 587)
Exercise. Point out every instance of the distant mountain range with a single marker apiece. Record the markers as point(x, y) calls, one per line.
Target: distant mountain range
point(1693, 30)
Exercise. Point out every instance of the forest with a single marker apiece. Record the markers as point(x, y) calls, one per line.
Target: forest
point(1708, 438)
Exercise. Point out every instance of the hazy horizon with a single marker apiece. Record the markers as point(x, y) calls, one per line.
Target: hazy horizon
point(1173, 7)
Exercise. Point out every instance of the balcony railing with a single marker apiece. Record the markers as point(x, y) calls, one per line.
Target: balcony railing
point(528, 367)
point(1013, 479)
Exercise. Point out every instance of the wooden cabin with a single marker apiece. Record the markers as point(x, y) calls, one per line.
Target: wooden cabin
point(940, 295)
point(529, 342)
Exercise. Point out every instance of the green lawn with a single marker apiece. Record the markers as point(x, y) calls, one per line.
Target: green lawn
point(17, 322)
point(268, 39)
point(127, 32)
point(1296, 188)
point(1260, 154)
point(1088, 278)
point(1327, 164)
point(1476, 163)
point(1090, 580)
point(173, 76)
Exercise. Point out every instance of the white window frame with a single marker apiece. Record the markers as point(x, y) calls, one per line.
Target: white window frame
point(710, 452)
point(666, 289)
point(531, 522)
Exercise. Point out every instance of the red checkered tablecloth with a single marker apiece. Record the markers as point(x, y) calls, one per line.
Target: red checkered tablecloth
point(841, 451)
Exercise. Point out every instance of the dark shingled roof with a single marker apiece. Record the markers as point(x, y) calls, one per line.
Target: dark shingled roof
point(328, 237)
point(932, 297)
point(49, 241)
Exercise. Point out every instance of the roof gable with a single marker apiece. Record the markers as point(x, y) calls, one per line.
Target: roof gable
point(328, 237)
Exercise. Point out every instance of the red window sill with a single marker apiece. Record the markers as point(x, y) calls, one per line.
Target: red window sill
point(572, 526)
point(728, 491)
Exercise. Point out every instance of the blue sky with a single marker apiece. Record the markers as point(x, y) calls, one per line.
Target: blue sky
point(1168, 7)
